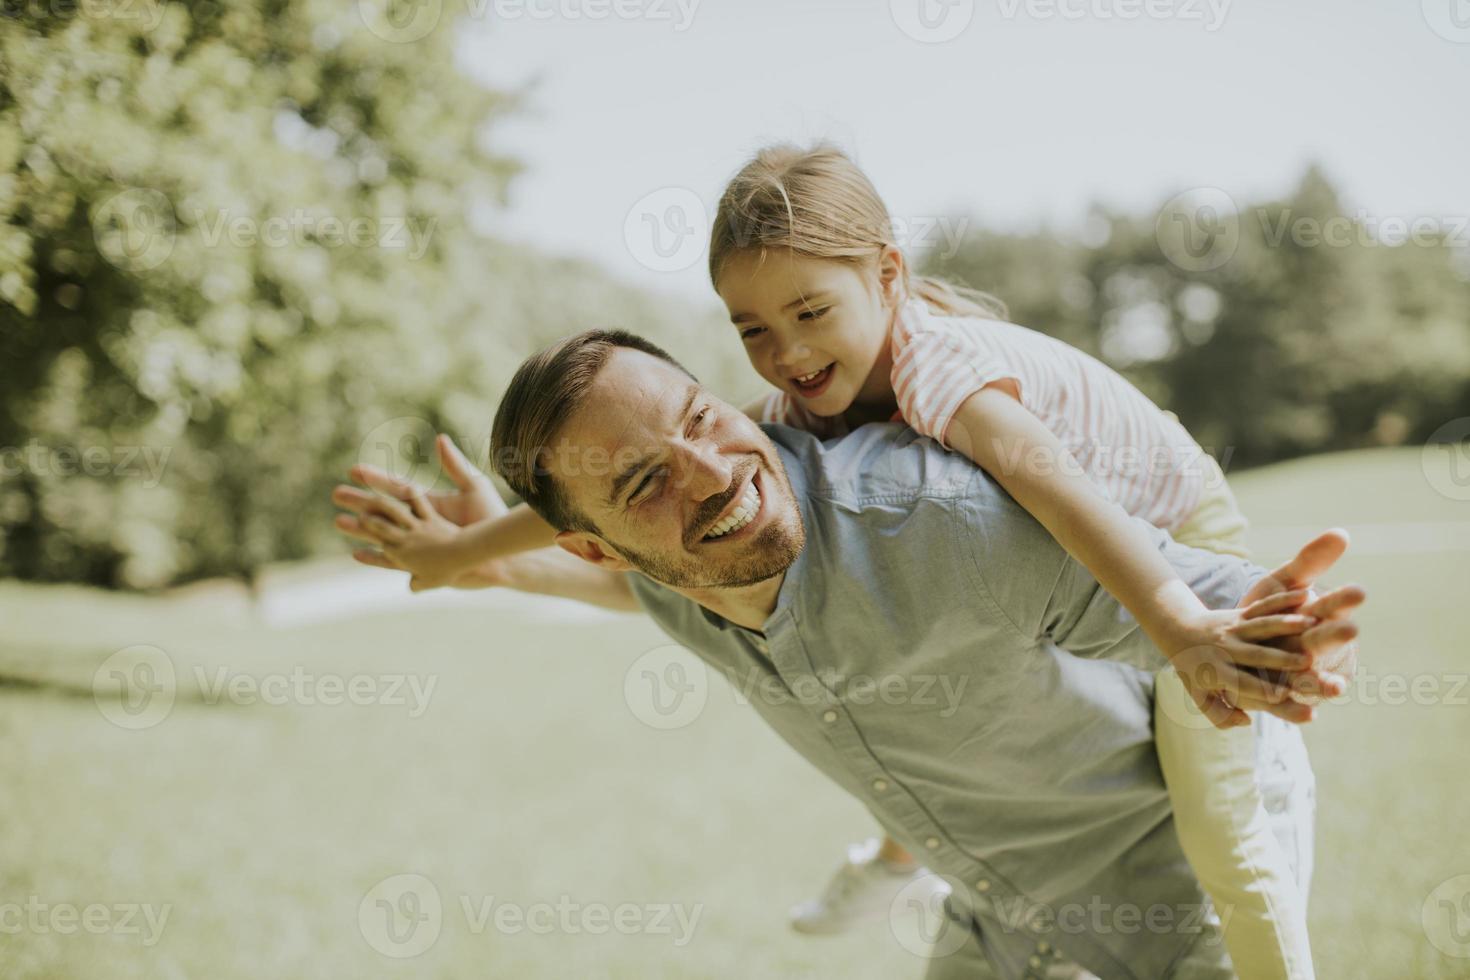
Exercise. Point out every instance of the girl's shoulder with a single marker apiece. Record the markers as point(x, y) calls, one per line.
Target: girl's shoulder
point(954, 330)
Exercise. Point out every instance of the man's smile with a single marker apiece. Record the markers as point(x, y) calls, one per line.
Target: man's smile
point(740, 515)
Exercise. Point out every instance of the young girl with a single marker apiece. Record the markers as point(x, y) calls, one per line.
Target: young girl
point(803, 256)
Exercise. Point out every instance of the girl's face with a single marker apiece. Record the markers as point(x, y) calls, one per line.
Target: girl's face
point(816, 328)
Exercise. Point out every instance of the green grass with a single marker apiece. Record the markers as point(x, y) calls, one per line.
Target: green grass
point(529, 779)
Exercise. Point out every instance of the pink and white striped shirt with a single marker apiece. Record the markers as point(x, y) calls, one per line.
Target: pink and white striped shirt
point(1139, 454)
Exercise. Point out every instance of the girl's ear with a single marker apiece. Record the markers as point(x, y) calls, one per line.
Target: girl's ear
point(891, 274)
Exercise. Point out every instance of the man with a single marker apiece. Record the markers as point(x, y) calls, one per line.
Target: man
point(882, 557)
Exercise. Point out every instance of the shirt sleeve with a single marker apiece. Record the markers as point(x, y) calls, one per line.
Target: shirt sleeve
point(936, 370)
point(1047, 594)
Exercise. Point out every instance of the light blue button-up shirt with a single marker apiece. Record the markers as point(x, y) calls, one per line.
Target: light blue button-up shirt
point(938, 654)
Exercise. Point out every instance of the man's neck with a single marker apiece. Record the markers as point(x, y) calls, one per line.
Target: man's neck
point(746, 605)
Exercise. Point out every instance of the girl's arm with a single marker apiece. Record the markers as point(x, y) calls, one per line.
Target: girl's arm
point(437, 552)
point(1207, 647)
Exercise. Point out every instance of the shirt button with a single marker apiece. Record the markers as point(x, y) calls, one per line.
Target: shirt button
point(880, 785)
point(932, 843)
point(1043, 947)
point(829, 716)
point(1035, 961)
point(983, 885)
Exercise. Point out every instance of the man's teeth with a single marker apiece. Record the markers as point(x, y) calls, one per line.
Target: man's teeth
point(808, 377)
point(743, 514)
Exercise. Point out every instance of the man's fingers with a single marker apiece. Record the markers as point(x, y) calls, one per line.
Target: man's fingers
point(1232, 682)
point(1269, 658)
point(1316, 687)
point(1270, 627)
point(382, 481)
point(419, 504)
point(1222, 714)
point(1337, 603)
point(383, 530)
point(1278, 603)
point(350, 498)
point(370, 556)
point(352, 527)
point(391, 511)
point(460, 470)
point(1243, 684)
point(1315, 558)
point(1323, 639)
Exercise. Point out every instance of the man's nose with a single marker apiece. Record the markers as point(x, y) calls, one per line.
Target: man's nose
point(704, 470)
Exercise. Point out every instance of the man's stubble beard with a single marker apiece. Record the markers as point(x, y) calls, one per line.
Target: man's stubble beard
point(774, 549)
point(771, 551)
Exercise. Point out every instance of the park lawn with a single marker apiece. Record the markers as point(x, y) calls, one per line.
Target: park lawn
point(528, 780)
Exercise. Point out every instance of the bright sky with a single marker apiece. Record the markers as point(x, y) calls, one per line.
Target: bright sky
point(1034, 108)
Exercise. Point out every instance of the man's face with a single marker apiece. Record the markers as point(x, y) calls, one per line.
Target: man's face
point(680, 485)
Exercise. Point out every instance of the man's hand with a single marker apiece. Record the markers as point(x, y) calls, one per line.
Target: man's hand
point(397, 504)
point(1330, 642)
point(1283, 610)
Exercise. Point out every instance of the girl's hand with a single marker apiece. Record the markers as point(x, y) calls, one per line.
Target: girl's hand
point(422, 542)
point(375, 515)
point(1218, 657)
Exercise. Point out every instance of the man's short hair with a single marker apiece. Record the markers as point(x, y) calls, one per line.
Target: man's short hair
point(544, 393)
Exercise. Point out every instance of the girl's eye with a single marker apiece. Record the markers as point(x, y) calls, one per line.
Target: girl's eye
point(813, 314)
point(750, 332)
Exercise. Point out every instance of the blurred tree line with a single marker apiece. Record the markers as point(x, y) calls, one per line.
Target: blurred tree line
point(236, 256)
point(241, 248)
point(1272, 329)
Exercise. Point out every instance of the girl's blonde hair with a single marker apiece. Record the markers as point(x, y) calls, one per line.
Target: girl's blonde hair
point(817, 202)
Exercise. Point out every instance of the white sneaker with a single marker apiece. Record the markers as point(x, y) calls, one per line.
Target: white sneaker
point(862, 890)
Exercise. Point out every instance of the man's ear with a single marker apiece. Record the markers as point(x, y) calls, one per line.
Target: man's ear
point(593, 549)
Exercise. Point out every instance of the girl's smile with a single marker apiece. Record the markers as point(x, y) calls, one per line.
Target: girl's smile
point(813, 384)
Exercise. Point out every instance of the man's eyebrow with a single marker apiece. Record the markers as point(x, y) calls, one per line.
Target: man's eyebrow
point(628, 472)
point(740, 318)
